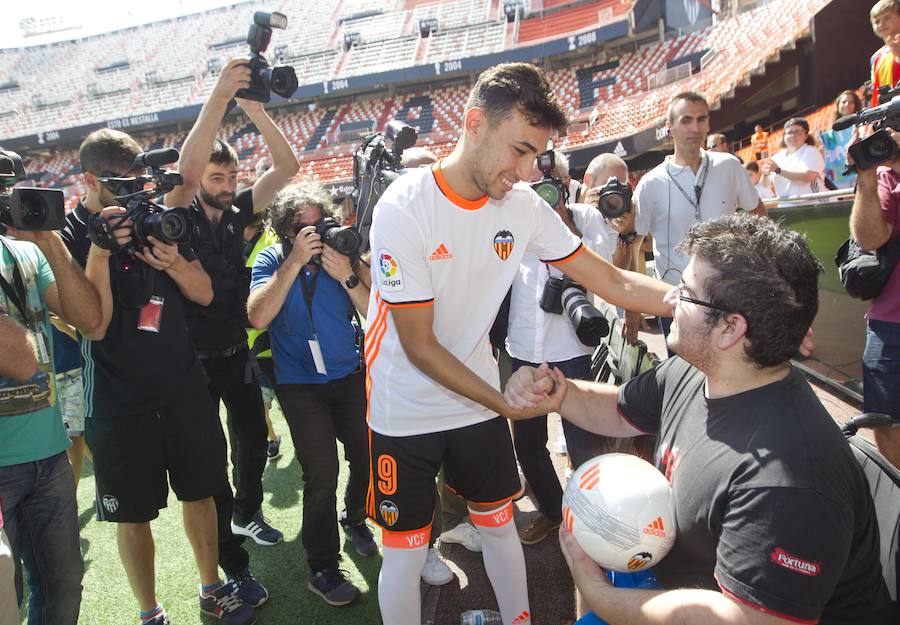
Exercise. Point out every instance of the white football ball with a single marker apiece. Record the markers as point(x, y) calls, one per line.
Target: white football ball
point(621, 511)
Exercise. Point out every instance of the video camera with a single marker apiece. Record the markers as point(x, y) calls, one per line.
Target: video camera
point(376, 164)
point(562, 296)
point(169, 225)
point(550, 188)
point(264, 79)
point(878, 147)
point(27, 208)
point(614, 199)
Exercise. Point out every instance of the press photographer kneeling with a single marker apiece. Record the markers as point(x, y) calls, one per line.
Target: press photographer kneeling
point(305, 290)
point(551, 319)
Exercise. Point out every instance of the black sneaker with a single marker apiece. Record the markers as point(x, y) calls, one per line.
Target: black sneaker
point(332, 586)
point(225, 604)
point(273, 449)
point(361, 536)
point(250, 590)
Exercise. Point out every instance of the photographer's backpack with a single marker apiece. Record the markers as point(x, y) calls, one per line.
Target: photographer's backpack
point(884, 483)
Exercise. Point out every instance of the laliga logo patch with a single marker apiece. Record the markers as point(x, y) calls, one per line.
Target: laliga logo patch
point(389, 512)
point(639, 561)
point(503, 244)
point(110, 503)
point(391, 277)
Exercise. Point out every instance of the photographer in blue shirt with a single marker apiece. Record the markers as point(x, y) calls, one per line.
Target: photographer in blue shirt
point(305, 291)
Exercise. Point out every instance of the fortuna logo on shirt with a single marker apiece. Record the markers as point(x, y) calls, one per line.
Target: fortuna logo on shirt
point(441, 253)
point(503, 244)
point(792, 563)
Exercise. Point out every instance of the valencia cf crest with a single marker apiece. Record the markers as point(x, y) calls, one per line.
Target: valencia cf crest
point(639, 561)
point(389, 512)
point(503, 244)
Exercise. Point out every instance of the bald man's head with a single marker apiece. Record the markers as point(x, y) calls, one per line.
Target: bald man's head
point(602, 167)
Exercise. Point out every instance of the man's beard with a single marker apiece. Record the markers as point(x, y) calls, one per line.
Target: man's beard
point(221, 204)
point(693, 346)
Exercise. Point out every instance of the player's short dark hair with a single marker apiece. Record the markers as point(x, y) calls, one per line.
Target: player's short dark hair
point(107, 151)
point(223, 154)
point(764, 272)
point(686, 96)
point(505, 88)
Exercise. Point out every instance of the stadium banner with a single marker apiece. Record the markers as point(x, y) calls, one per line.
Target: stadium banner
point(446, 68)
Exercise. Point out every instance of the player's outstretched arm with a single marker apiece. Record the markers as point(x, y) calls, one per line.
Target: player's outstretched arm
point(414, 328)
point(627, 289)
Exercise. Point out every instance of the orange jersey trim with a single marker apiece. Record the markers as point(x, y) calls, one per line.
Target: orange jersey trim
point(413, 539)
point(429, 302)
point(444, 186)
point(566, 259)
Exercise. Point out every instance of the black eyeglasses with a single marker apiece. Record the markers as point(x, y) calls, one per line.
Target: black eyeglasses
point(691, 300)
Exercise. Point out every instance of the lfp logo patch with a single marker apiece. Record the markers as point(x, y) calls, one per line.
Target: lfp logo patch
point(503, 244)
point(390, 275)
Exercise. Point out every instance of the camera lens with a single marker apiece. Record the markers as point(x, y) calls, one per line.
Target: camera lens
point(880, 149)
point(284, 81)
point(34, 212)
point(345, 240)
point(548, 192)
point(173, 227)
point(589, 323)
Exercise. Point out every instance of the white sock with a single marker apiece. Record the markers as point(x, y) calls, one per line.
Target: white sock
point(504, 562)
point(401, 571)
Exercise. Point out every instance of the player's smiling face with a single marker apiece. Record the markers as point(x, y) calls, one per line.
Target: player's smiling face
point(505, 153)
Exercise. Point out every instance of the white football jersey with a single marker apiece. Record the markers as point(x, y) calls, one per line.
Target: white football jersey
point(431, 247)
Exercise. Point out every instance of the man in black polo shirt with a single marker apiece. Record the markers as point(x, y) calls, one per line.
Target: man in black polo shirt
point(775, 522)
point(209, 168)
point(149, 417)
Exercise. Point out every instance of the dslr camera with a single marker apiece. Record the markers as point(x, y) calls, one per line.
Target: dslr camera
point(376, 164)
point(878, 147)
point(264, 79)
point(562, 296)
point(614, 199)
point(135, 193)
point(343, 239)
point(550, 188)
point(27, 208)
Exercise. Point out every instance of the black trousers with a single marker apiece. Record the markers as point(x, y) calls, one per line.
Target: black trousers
point(234, 383)
point(530, 437)
point(318, 416)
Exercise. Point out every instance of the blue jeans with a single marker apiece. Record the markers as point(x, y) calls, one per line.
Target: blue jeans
point(40, 517)
point(881, 368)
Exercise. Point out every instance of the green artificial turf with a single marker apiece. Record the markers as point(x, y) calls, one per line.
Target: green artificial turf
point(107, 598)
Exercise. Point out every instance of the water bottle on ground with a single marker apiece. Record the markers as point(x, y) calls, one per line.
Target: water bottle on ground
point(481, 617)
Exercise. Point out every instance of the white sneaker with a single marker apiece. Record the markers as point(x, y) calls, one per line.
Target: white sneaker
point(436, 572)
point(465, 535)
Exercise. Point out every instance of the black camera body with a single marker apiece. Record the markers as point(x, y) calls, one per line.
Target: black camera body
point(27, 208)
point(264, 79)
point(551, 189)
point(376, 164)
point(343, 239)
point(878, 147)
point(168, 225)
point(562, 296)
point(614, 199)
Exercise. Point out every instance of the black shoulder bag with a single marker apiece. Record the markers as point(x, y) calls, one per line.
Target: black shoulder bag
point(864, 274)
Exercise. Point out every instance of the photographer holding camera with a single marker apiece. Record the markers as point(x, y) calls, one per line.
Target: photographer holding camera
point(541, 328)
point(306, 292)
point(149, 415)
point(38, 509)
point(219, 213)
point(874, 223)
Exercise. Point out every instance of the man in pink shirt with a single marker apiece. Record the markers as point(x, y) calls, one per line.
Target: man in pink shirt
point(874, 221)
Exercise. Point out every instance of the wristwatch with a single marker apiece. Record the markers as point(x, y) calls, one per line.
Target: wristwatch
point(351, 282)
point(777, 170)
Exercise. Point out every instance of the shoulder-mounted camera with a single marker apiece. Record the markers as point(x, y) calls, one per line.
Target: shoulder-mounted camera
point(878, 147)
point(27, 208)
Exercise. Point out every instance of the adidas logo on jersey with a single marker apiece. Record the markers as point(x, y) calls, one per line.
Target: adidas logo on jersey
point(441, 253)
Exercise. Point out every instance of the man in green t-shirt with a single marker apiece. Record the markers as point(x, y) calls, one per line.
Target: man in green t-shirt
point(37, 488)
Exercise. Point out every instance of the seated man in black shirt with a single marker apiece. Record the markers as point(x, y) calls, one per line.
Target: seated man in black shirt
point(209, 168)
point(149, 417)
point(775, 520)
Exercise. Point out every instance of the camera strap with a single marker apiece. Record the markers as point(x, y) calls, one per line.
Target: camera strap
point(698, 189)
point(309, 290)
point(17, 295)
